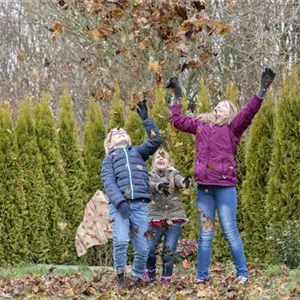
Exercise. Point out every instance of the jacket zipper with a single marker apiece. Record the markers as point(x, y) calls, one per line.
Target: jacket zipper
point(208, 149)
point(130, 175)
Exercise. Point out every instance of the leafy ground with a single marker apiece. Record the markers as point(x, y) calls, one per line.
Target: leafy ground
point(272, 282)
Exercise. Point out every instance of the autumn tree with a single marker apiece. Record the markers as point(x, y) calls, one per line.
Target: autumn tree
point(34, 184)
point(283, 201)
point(13, 208)
point(75, 171)
point(56, 190)
point(258, 156)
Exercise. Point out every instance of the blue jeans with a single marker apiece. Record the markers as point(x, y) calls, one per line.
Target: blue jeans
point(224, 200)
point(136, 226)
point(171, 235)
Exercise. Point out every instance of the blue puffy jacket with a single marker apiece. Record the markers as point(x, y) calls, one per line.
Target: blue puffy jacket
point(124, 172)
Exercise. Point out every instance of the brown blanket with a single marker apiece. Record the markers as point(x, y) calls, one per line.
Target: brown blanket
point(95, 228)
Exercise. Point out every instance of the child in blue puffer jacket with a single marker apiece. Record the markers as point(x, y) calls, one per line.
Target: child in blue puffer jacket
point(126, 183)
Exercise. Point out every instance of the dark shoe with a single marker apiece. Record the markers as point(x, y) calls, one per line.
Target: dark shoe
point(121, 281)
point(149, 275)
point(165, 280)
point(137, 282)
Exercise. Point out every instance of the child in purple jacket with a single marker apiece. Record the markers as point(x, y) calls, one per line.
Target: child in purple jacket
point(217, 136)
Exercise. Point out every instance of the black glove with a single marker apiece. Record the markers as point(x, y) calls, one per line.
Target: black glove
point(173, 83)
point(267, 77)
point(187, 181)
point(142, 110)
point(164, 187)
point(124, 209)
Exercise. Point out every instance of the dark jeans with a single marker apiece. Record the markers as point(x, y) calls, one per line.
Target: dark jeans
point(171, 235)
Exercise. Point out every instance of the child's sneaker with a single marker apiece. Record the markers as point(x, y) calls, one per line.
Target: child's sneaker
point(241, 280)
point(165, 280)
point(200, 281)
point(121, 281)
point(149, 275)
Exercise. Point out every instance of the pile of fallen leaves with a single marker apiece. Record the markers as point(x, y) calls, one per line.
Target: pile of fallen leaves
point(102, 286)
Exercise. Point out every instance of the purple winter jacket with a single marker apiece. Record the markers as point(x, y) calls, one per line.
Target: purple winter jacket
point(216, 145)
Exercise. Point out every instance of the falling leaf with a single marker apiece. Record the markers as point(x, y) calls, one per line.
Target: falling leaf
point(136, 230)
point(150, 235)
point(210, 166)
point(187, 264)
point(53, 36)
point(58, 27)
point(62, 226)
point(140, 167)
point(178, 144)
point(20, 57)
point(65, 255)
point(127, 192)
point(162, 154)
point(152, 134)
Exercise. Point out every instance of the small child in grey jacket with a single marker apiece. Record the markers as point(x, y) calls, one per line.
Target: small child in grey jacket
point(166, 214)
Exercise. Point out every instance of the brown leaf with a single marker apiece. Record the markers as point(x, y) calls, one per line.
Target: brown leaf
point(187, 264)
point(144, 44)
point(136, 230)
point(65, 255)
point(58, 27)
point(154, 66)
point(150, 235)
point(178, 144)
point(51, 269)
point(162, 154)
point(62, 226)
point(202, 293)
point(152, 134)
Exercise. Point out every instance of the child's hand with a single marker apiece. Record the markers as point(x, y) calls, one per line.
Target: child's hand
point(142, 110)
point(186, 181)
point(124, 209)
point(163, 187)
point(173, 83)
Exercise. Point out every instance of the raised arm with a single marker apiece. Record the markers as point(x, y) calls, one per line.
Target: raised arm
point(244, 118)
point(183, 123)
point(154, 139)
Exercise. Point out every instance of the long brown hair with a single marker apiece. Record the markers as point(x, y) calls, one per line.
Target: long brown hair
point(212, 119)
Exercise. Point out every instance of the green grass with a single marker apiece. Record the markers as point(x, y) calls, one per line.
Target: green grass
point(18, 271)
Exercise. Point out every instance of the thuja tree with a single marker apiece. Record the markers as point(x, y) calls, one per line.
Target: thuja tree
point(34, 184)
point(93, 143)
point(56, 190)
point(75, 171)
point(117, 114)
point(254, 190)
point(283, 202)
point(13, 210)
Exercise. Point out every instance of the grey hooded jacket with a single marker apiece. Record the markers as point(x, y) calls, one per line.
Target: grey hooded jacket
point(164, 207)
